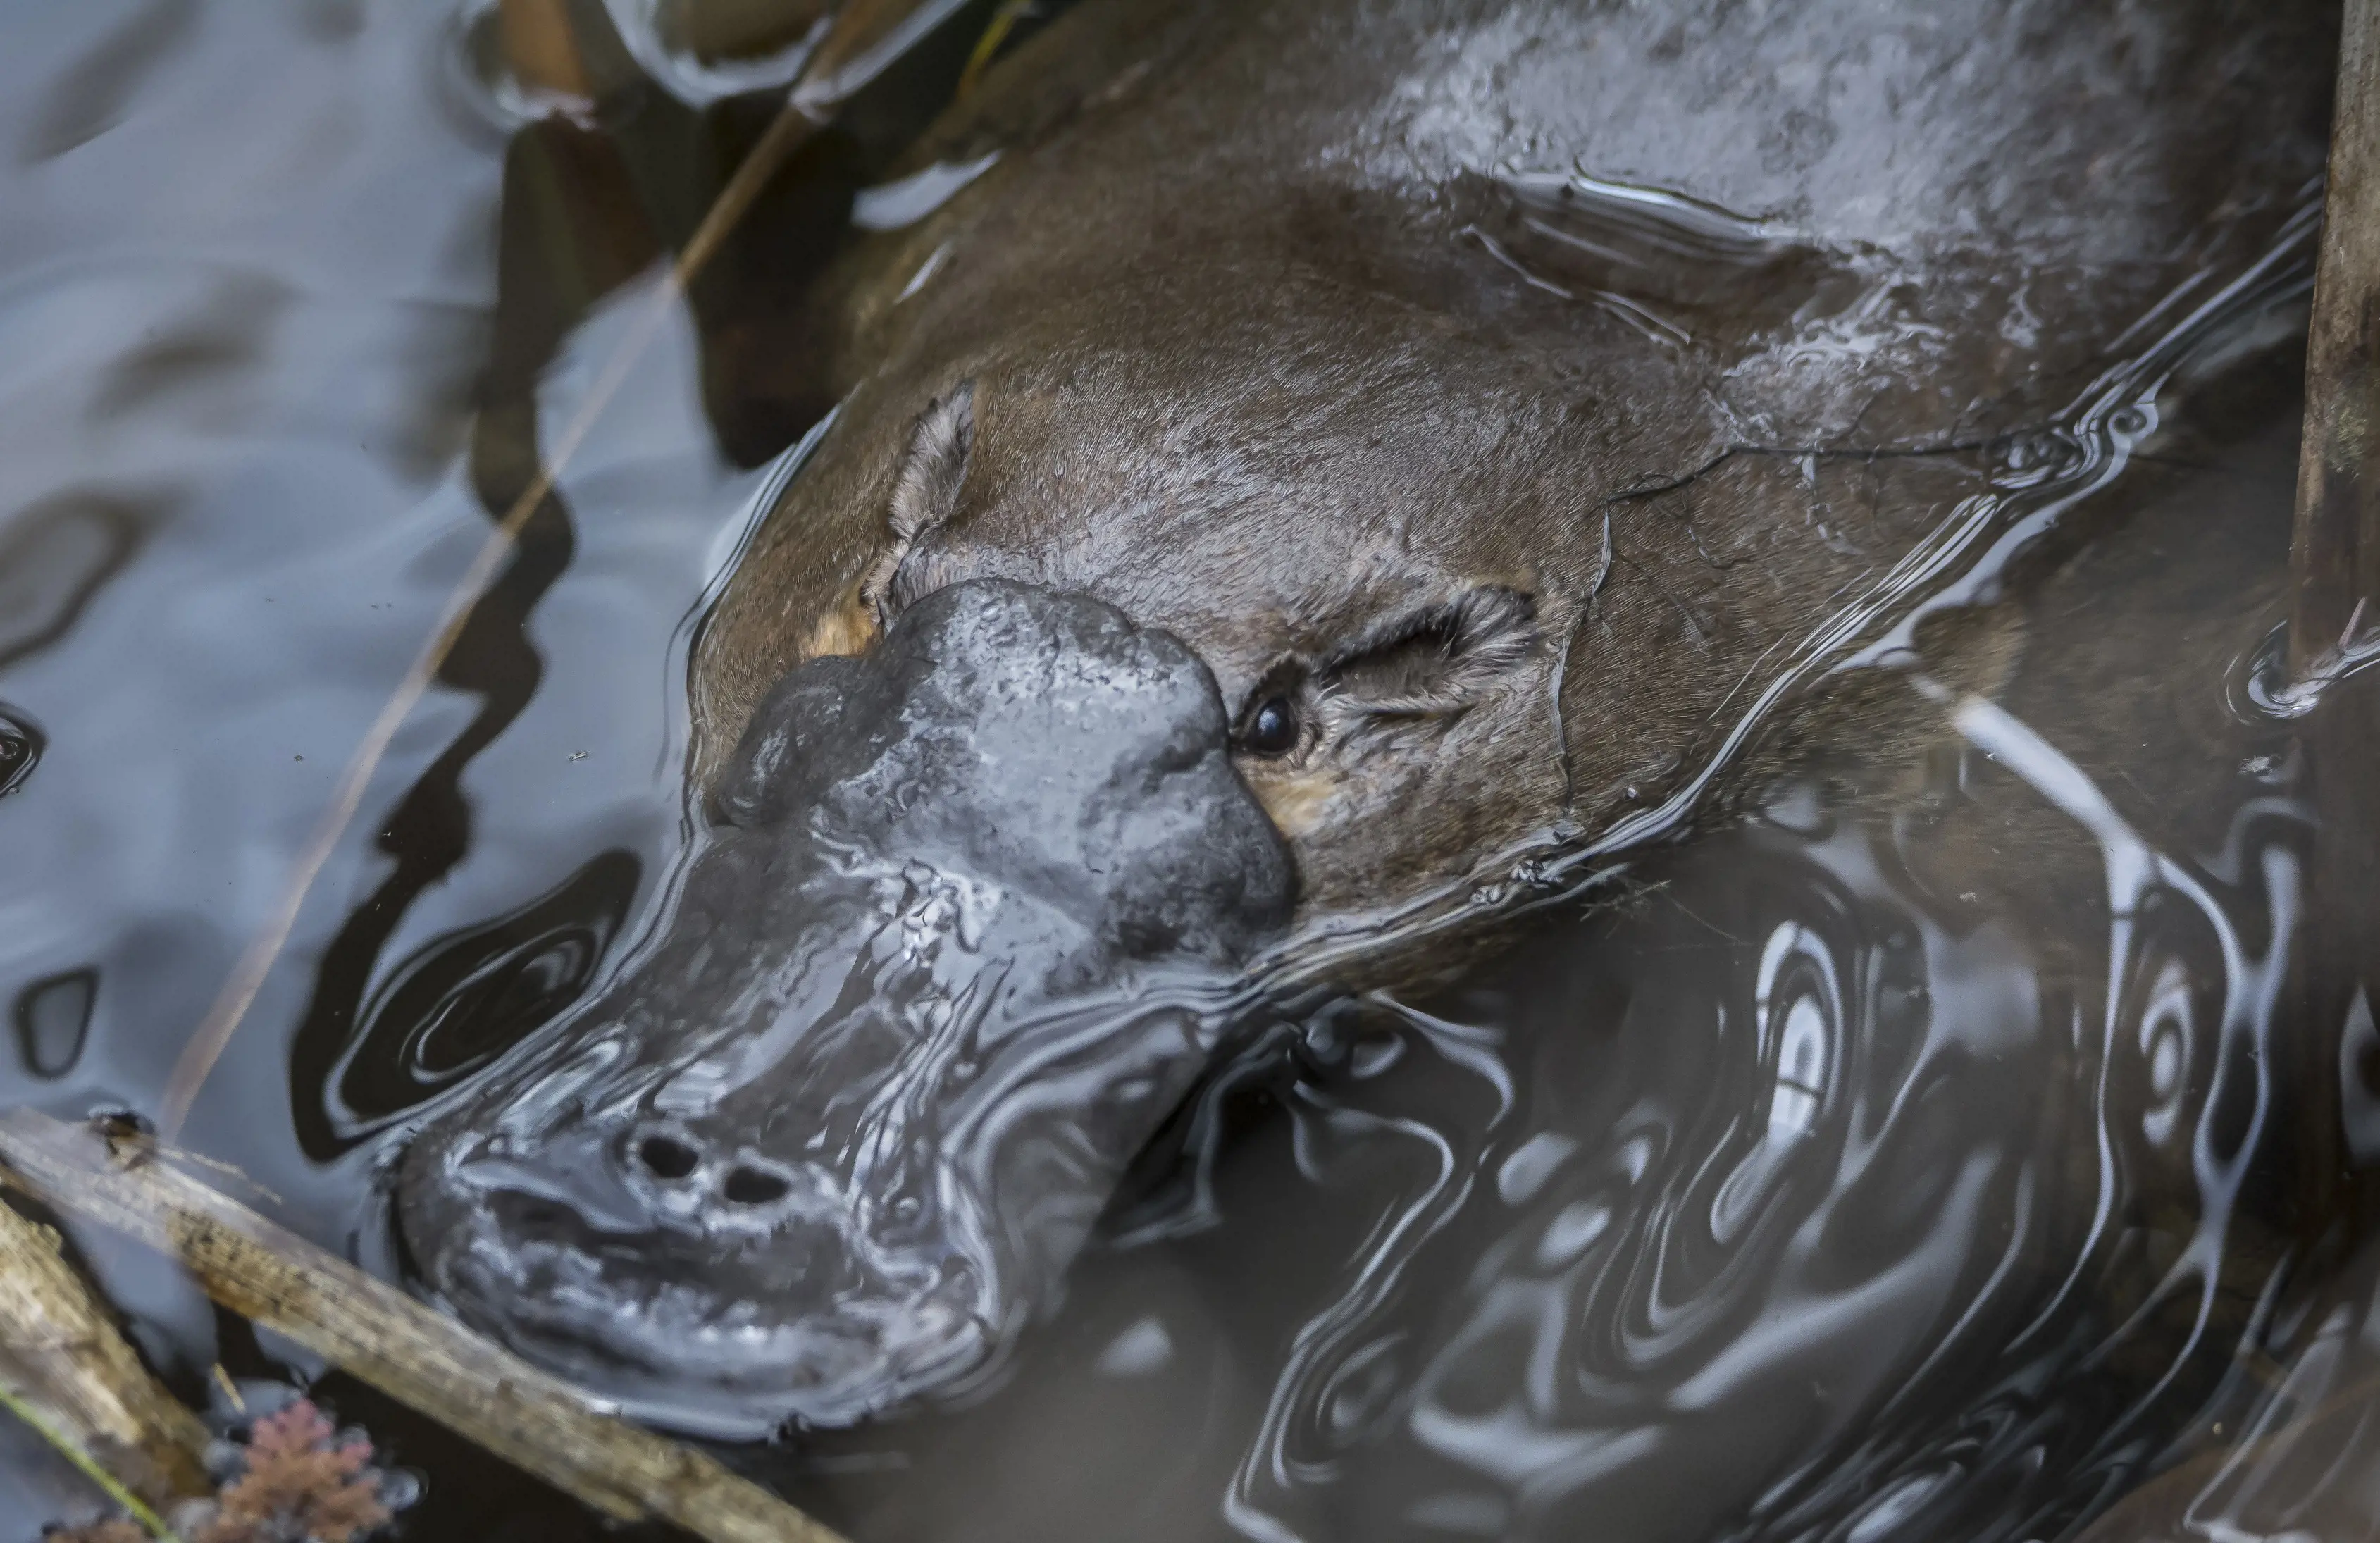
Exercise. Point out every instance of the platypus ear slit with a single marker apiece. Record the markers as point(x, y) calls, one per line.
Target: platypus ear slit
point(1439, 659)
point(1496, 626)
point(925, 490)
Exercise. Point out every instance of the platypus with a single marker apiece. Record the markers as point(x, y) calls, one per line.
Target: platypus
point(1299, 472)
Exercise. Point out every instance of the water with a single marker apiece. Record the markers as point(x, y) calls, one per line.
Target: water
point(1953, 1161)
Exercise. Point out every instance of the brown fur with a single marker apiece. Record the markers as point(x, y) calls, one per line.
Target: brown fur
point(1262, 340)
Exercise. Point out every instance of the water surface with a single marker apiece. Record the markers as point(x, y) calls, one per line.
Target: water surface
point(1951, 1159)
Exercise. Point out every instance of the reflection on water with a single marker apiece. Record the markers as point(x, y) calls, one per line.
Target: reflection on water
point(1800, 1152)
point(457, 1004)
point(1953, 1164)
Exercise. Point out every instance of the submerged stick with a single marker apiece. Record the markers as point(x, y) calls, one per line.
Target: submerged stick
point(2335, 554)
point(65, 1371)
point(375, 1332)
point(2335, 550)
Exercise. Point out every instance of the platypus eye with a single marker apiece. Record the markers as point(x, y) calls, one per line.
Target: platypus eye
point(1273, 728)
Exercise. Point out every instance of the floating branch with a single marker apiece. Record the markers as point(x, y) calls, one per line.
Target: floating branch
point(2337, 551)
point(66, 1372)
point(2334, 553)
point(377, 1333)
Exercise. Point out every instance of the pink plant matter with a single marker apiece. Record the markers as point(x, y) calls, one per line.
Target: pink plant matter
point(300, 1484)
point(303, 1485)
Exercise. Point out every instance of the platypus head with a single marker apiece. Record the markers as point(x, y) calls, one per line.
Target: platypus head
point(965, 924)
point(1100, 641)
point(1092, 684)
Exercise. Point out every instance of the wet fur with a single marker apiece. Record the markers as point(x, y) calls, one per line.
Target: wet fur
point(924, 495)
point(1259, 342)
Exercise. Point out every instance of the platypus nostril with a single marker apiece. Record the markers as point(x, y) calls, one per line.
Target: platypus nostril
point(755, 1186)
point(667, 1157)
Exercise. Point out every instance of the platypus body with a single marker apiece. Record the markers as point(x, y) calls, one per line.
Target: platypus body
point(1322, 460)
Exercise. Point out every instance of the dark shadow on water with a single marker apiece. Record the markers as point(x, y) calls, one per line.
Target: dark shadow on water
point(457, 1004)
point(586, 210)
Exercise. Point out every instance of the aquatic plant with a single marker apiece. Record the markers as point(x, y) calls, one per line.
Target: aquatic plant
point(302, 1482)
point(297, 1479)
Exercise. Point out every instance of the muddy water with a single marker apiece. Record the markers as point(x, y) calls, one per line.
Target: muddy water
point(1956, 1161)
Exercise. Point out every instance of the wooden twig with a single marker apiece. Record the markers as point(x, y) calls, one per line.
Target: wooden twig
point(987, 47)
point(377, 1333)
point(2335, 552)
point(2338, 541)
point(65, 1370)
